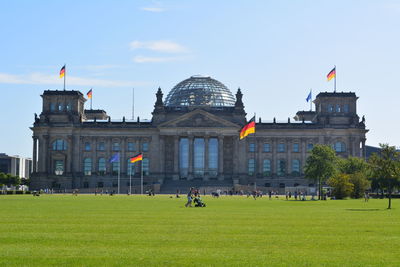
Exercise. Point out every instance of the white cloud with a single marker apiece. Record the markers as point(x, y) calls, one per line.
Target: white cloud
point(159, 46)
point(144, 59)
point(153, 9)
point(40, 78)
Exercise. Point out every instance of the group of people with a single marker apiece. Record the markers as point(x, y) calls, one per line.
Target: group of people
point(298, 195)
point(194, 196)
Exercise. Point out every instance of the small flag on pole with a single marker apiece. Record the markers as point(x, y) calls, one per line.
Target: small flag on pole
point(138, 157)
point(114, 158)
point(62, 72)
point(89, 94)
point(249, 128)
point(331, 74)
point(308, 97)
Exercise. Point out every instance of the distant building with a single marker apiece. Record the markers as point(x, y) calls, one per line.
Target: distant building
point(192, 139)
point(15, 165)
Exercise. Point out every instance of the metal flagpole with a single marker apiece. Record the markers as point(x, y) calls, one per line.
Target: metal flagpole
point(335, 80)
point(65, 73)
point(119, 168)
point(91, 98)
point(311, 100)
point(141, 179)
point(130, 179)
point(255, 157)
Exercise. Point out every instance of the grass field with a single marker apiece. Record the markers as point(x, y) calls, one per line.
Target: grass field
point(89, 230)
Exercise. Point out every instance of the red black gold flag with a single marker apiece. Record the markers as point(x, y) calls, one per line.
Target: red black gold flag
point(249, 128)
point(62, 72)
point(331, 74)
point(89, 94)
point(138, 157)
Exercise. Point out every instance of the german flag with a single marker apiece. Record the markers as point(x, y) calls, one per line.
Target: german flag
point(138, 157)
point(331, 74)
point(249, 128)
point(62, 72)
point(89, 94)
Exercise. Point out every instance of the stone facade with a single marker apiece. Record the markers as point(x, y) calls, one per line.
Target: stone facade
point(72, 147)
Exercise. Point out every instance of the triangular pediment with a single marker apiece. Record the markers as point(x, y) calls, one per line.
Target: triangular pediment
point(198, 118)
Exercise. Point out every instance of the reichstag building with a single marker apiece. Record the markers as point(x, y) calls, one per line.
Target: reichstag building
point(192, 139)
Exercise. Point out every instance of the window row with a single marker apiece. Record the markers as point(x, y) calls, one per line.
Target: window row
point(281, 168)
point(115, 167)
point(281, 147)
point(115, 146)
point(60, 107)
point(338, 108)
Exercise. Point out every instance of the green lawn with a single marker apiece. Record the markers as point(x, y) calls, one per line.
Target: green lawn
point(232, 231)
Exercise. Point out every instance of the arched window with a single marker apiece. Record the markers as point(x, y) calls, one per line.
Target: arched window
point(130, 167)
point(59, 145)
point(102, 166)
point(87, 146)
point(340, 147)
point(87, 166)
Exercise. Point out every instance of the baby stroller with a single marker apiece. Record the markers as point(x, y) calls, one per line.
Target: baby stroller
point(198, 202)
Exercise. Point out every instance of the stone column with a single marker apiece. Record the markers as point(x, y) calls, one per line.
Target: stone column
point(303, 147)
point(363, 149)
point(220, 157)
point(34, 156)
point(175, 176)
point(191, 154)
point(274, 156)
point(46, 155)
point(289, 157)
point(68, 161)
point(161, 156)
point(206, 159)
point(259, 144)
point(94, 155)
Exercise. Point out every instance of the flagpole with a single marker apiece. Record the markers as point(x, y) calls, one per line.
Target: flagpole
point(141, 178)
point(130, 179)
point(65, 73)
point(311, 100)
point(255, 157)
point(335, 80)
point(91, 99)
point(119, 168)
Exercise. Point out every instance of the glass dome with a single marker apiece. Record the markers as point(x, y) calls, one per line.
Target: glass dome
point(200, 91)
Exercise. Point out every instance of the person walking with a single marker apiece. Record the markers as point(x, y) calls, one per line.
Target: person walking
point(189, 198)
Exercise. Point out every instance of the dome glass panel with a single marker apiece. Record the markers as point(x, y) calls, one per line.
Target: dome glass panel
point(200, 91)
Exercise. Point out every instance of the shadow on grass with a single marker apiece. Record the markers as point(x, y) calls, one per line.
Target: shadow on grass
point(363, 209)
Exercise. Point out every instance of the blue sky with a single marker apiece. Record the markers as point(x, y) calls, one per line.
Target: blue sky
point(275, 51)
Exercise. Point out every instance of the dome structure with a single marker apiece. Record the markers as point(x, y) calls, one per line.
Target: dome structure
point(200, 91)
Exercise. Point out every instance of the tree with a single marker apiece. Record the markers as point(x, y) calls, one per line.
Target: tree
point(385, 169)
point(321, 165)
point(357, 170)
point(342, 187)
point(361, 184)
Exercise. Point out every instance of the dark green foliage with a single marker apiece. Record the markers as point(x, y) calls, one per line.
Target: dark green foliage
point(321, 165)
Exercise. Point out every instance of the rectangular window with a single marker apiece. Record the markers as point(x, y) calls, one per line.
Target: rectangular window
point(146, 166)
point(213, 157)
point(296, 147)
point(131, 146)
point(251, 166)
point(346, 108)
point(130, 168)
point(184, 157)
point(115, 167)
point(145, 147)
point(281, 147)
point(101, 146)
point(252, 147)
point(338, 109)
point(59, 167)
point(115, 146)
point(281, 167)
point(87, 146)
point(296, 167)
point(330, 108)
point(310, 147)
point(267, 147)
point(266, 167)
point(198, 157)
